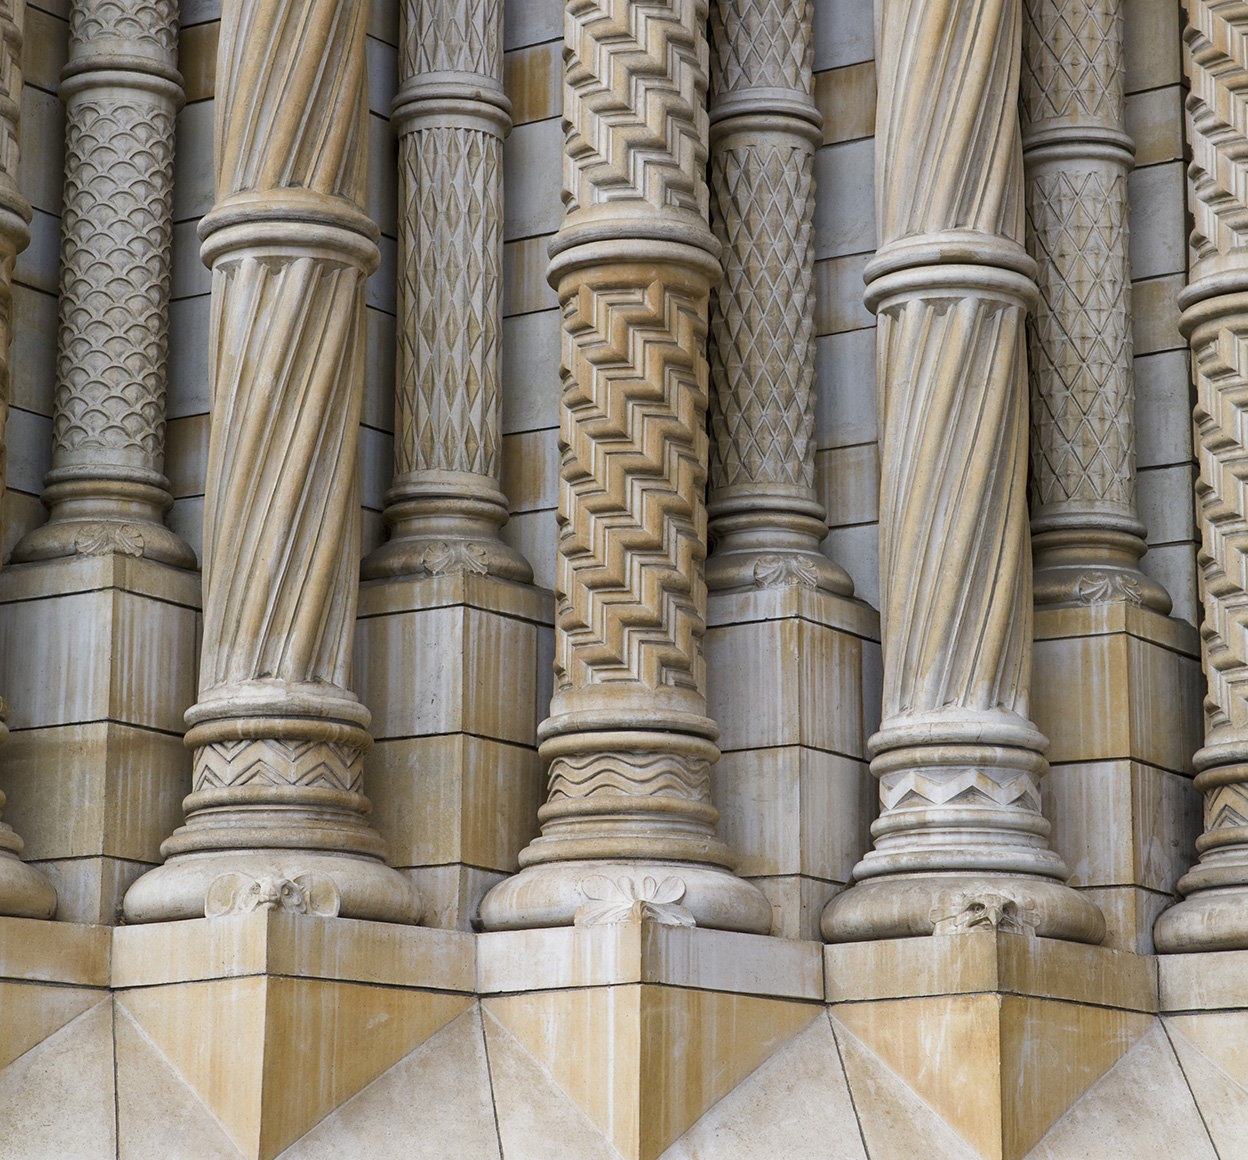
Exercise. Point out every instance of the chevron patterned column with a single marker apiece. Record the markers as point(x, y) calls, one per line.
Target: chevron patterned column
point(960, 841)
point(23, 890)
point(277, 816)
point(106, 491)
point(1087, 537)
point(445, 507)
point(766, 520)
point(1214, 912)
point(628, 826)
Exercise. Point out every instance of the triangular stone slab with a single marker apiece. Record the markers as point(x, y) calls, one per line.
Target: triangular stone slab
point(1222, 1036)
point(895, 1123)
point(537, 1119)
point(56, 1100)
point(1223, 1103)
point(29, 1013)
point(434, 1101)
point(159, 1116)
point(796, 1104)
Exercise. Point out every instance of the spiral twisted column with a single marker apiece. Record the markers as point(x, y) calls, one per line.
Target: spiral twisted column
point(1214, 912)
point(122, 90)
point(960, 841)
point(23, 890)
point(277, 816)
point(446, 506)
point(628, 826)
point(765, 518)
point(1087, 537)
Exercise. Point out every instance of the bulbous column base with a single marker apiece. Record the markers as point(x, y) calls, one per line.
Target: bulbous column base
point(757, 546)
point(1080, 567)
point(24, 892)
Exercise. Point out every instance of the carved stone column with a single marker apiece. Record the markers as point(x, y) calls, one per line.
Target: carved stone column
point(960, 841)
point(23, 890)
point(106, 491)
point(277, 816)
point(628, 824)
point(1214, 913)
point(1086, 533)
point(766, 521)
point(445, 508)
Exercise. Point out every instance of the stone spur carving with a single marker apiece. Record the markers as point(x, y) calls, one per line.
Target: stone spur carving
point(235, 893)
point(624, 899)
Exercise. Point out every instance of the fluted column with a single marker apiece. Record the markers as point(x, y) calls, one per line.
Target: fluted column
point(960, 841)
point(106, 491)
point(23, 890)
point(445, 507)
point(628, 825)
point(766, 521)
point(1087, 537)
point(277, 816)
point(1214, 912)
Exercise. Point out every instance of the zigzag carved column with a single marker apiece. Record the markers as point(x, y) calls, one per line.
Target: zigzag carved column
point(766, 520)
point(445, 507)
point(1086, 533)
point(960, 841)
point(106, 491)
point(277, 816)
point(628, 824)
point(1214, 913)
point(23, 890)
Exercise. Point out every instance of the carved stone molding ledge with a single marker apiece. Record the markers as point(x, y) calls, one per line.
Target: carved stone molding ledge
point(629, 742)
point(957, 756)
point(106, 491)
point(766, 521)
point(446, 506)
point(278, 735)
point(24, 891)
point(1214, 912)
point(1087, 537)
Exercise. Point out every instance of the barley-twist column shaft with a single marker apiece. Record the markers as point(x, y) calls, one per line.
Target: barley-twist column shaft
point(766, 521)
point(1214, 912)
point(446, 507)
point(960, 841)
point(1086, 533)
point(277, 816)
point(23, 890)
point(106, 491)
point(628, 826)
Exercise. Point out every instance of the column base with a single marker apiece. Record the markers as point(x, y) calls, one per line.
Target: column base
point(589, 892)
point(1213, 920)
point(905, 906)
point(24, 892)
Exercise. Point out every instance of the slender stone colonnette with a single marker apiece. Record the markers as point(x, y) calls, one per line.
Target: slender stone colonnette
point(445, 507)
point(766, 520)
point(277, 816)
point(1087, 537)
point(628, 824)
point(122, 90)
point(1214, 912)
point(23, 890)
point(960, 841)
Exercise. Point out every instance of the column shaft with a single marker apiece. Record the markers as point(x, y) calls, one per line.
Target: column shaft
point(960, 841)
point(277, 813)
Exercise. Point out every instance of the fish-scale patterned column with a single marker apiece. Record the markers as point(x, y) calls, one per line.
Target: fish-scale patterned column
point(277, 816)
point(1214, 913)
point(628, 824)
point(445, 507)
point(1087, 537)
point(960, 841)
point(106, 491)
point(23, 890)
point(766, 521)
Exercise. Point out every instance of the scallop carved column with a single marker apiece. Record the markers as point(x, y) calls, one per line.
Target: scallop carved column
point(960, 841)
point(23, 890)
point(628, 825)
point(1087, 537)
point(106, 491)
point(445, 507)
point(766, 520)
point(1214, 912)
point(277, 816)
